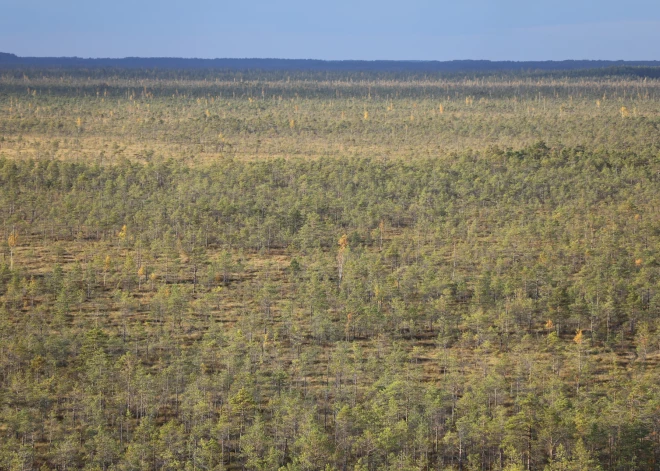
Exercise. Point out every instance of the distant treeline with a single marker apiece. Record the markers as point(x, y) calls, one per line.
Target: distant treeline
point(456, 66)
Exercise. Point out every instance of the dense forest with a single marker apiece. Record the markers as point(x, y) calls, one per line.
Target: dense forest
point(8, 60)
point(244, 270)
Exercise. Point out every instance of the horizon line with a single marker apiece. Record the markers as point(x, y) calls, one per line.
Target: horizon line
point(13, 55)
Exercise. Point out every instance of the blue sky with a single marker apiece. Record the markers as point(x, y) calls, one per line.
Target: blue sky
point(340, 29)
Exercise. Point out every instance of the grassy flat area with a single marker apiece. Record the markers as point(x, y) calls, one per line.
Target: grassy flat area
point(107, 118)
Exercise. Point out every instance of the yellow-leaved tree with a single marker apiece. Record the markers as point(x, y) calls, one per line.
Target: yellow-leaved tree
point(341, 256)
point(12, 241)
point(123, 233)
point(141, 274)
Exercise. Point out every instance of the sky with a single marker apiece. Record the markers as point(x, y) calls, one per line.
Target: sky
point(333, 30)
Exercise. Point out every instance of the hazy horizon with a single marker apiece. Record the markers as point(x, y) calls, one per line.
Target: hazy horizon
point(247, 58)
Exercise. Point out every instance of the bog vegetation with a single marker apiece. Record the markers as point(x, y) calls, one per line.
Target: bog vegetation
point(305, 271)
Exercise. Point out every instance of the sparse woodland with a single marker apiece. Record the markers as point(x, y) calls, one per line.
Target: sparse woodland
point(302, 271)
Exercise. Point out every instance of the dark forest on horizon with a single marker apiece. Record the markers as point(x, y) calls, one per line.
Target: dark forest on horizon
point(9, 60)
